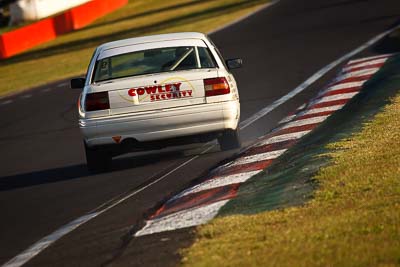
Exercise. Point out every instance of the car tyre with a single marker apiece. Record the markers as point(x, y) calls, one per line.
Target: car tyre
point(97, 159)
point(229, 140)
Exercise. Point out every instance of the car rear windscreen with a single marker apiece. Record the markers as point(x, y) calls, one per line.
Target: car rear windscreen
point(153, 61)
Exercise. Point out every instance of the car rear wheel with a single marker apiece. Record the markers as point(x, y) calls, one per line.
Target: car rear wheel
point(97, 159)
point(229, 140)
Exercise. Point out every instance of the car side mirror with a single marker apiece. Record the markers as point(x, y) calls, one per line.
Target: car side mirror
point(234, 63)
point(78, 83)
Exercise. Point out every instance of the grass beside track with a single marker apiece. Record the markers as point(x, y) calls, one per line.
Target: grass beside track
point(353, 218)
point(69, 55)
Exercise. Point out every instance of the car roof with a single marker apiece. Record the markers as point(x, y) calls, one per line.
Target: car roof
point(152, 38)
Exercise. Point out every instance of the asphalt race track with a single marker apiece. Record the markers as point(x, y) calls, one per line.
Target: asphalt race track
point(44, 183)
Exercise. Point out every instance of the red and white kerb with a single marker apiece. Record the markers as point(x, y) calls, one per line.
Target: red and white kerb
point(201, 203)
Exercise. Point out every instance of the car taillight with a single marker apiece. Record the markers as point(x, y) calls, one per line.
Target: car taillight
point(216, 86)
point(97, 101)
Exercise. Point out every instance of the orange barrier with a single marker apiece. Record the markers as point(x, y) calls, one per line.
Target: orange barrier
point(20, 40)
point(85, 14)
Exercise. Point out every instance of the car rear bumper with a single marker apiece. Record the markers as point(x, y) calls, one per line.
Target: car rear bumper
point(161, 124)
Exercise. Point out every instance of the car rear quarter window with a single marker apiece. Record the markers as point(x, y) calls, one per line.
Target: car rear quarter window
point(206, 59)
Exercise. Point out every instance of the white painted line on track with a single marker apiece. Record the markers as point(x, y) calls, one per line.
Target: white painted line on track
point(62, 85)
point(6, 102)
point(258, 157)
point(218, 182)
point(26, 96)
point(45, 90)
point(42, 244)
point(182, 219)
point(258, 115)
point(282, 138)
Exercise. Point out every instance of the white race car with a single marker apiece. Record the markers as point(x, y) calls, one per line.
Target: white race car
point(157, 91)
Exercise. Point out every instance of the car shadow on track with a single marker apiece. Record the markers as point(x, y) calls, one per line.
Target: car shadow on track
point(80, 171)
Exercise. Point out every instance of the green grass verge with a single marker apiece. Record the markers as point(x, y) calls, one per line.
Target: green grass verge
point(69, 54)
point(353, 218)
